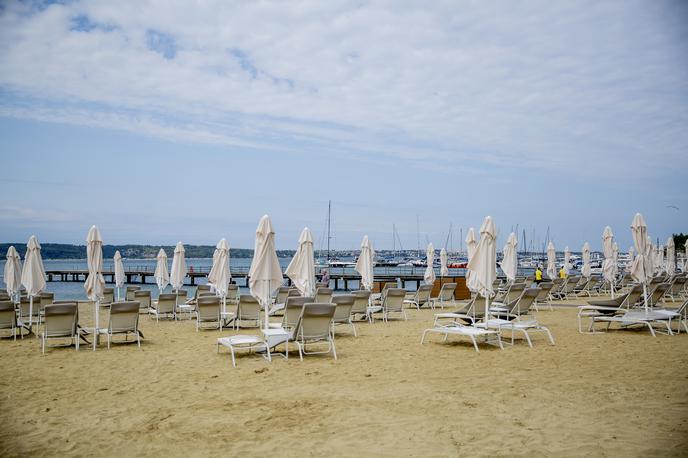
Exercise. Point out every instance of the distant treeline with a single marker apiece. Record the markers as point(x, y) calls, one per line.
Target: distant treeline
point(67, 251)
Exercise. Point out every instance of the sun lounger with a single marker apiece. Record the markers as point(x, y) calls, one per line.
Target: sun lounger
point(607, 307)
point(143, 297)
point(361, 304)
point(208, 311)
point(517, 318)
point(281, 299)
point(474, 333)
point(124, 320)
point(129, 292)
point(323, 295)
point(420, 297)
point(315, 328)
point(166, 305)
point(60, 323)
point(248, 309)
point(544, 290)
point(445, 296)
point(342, 314)
point(394, 303)
point(634, 317)
point(292, 313)
point(8, 318)
point(680, 315)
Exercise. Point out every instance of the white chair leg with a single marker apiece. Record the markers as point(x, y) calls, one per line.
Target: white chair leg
point(334, 351)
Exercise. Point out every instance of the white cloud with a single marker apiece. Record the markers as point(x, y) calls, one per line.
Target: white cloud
point(581, 86)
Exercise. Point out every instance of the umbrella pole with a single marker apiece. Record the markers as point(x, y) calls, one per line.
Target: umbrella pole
point(30, 313)
point(267, 304)
point(645, 296)
point(96, 325)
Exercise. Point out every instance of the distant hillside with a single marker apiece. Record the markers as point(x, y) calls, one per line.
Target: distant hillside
point(67, 251)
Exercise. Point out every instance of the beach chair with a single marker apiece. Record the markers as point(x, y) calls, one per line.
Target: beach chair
point(124, 320)
point(323, 295)
point(315, 327)
point(544, 290)
point(680, 315)
point(8, 318)
point(465, 313)
point(279, 306)
point(677, 284)
point(248, 309)
point(633, 317)
point(557, 284)
point(394, 303)
point(292, 313)
point(608, 307)
point(321, 284)
point(445, 296)
point(656, 297)
point(25, 309)
point(46, 298)
point(342, 314)
point(513, 320)
point(208, 311)
point(108, 296)
point(143, 297)
point(232, 293)
point(281, 295)
point(377, 298)
point(568, 287)
point(361, 304)
point(129, 292)
point(588, 288)
point(473, 332)
point(511, 294)
point(166, 305)
point(60, 323)
point(420, 297)
point(200, 291)
point(4, 297)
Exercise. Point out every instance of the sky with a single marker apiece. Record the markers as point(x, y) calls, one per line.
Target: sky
point(161, 121)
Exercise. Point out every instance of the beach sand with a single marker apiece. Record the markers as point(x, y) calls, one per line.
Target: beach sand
point(623, 393)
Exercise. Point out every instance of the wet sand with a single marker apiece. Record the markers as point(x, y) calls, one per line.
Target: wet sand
point(622, 393)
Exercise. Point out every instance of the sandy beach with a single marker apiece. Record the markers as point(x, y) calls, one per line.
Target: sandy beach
point(623, 393)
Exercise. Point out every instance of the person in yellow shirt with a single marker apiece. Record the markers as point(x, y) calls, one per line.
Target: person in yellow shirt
point(538, 275)
point(562, 273)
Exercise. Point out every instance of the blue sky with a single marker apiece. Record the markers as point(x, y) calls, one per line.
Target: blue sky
point(161, 123)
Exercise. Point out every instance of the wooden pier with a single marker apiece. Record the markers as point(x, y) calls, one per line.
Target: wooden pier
point(340, 282)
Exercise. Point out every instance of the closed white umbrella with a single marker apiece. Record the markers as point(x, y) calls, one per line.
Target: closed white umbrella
point(608, 265)
point(650, 257)
point(509, 262)
point(615, 258)
point(631, 256)
point(471, 246)
point(95, 283)
point(119, 272)
point(301, 269)
point(33, 273)
point(221, 275)
point(12, 273)
point(365, 263)
point(567, 261)
point(639, 270)
point(162, 275)
point(484, 262)
point(659, 259)
point(429, 276)
point(670, 265)
point(179, 270)
point(551, 261)
point(265, 273)
point(586, 260)
point(444, 271)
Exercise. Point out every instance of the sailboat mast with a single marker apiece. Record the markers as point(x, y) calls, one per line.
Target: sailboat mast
point(329, 213)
